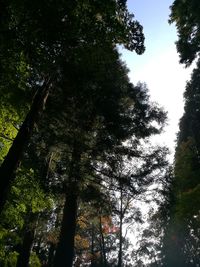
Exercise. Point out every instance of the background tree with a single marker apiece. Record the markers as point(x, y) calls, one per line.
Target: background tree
point(185, 14)
point(183, 225)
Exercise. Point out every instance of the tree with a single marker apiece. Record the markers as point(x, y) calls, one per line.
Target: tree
point(11, 160)
point(183, 227)
point(93, 116)
point(46, 46)
point(19, 220)
point(186, 16)
point(186, 186)
point(100, 129)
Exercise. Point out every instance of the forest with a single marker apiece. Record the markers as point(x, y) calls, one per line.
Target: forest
point(79, 173)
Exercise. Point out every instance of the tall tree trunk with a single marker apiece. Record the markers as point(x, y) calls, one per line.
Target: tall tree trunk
point(120, 230)
point(11, 161)
point(65, 250)
point(29, 234)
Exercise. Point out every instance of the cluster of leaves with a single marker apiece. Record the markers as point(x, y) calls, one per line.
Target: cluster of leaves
point(185, 14)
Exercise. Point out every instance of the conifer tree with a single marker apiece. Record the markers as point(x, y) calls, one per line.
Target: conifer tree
point(45, 35)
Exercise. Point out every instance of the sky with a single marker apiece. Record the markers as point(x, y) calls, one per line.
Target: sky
point(159, 66)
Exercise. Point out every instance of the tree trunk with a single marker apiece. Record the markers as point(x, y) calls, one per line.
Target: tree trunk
point(65, 250)
point(93, 258)
point(103, 251)
point(29, 234)
point(120, 230)
point(12, 160)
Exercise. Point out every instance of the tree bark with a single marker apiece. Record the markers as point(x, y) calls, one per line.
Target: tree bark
point(103, 251)
point(29, 234)
point(92, 247)
point(120, 230)
point(12, 160)
point(65, 250)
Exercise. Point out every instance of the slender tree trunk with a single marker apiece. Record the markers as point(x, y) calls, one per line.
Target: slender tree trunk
point(101, 252)
point(93, 259)
point(29, 234)
point(12, 160)
point(65, 250)
point(102, 243)
point(120, 230)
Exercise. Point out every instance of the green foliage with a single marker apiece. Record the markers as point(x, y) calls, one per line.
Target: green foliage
point(34, 260)
point(93, 117)
point(181, 234)
point(10, 259)
point(186, 166)
point(14, 99)
point(8, 118)
point(190, 203)
point(26, 197)
point(186, 15)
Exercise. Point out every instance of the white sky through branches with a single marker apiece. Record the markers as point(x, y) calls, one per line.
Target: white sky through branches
point(159, 66)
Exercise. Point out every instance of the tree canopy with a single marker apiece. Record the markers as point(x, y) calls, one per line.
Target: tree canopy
point(185, 14)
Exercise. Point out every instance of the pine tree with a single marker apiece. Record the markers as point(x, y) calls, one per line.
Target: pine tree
point(46, 35)
point(185, 14)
